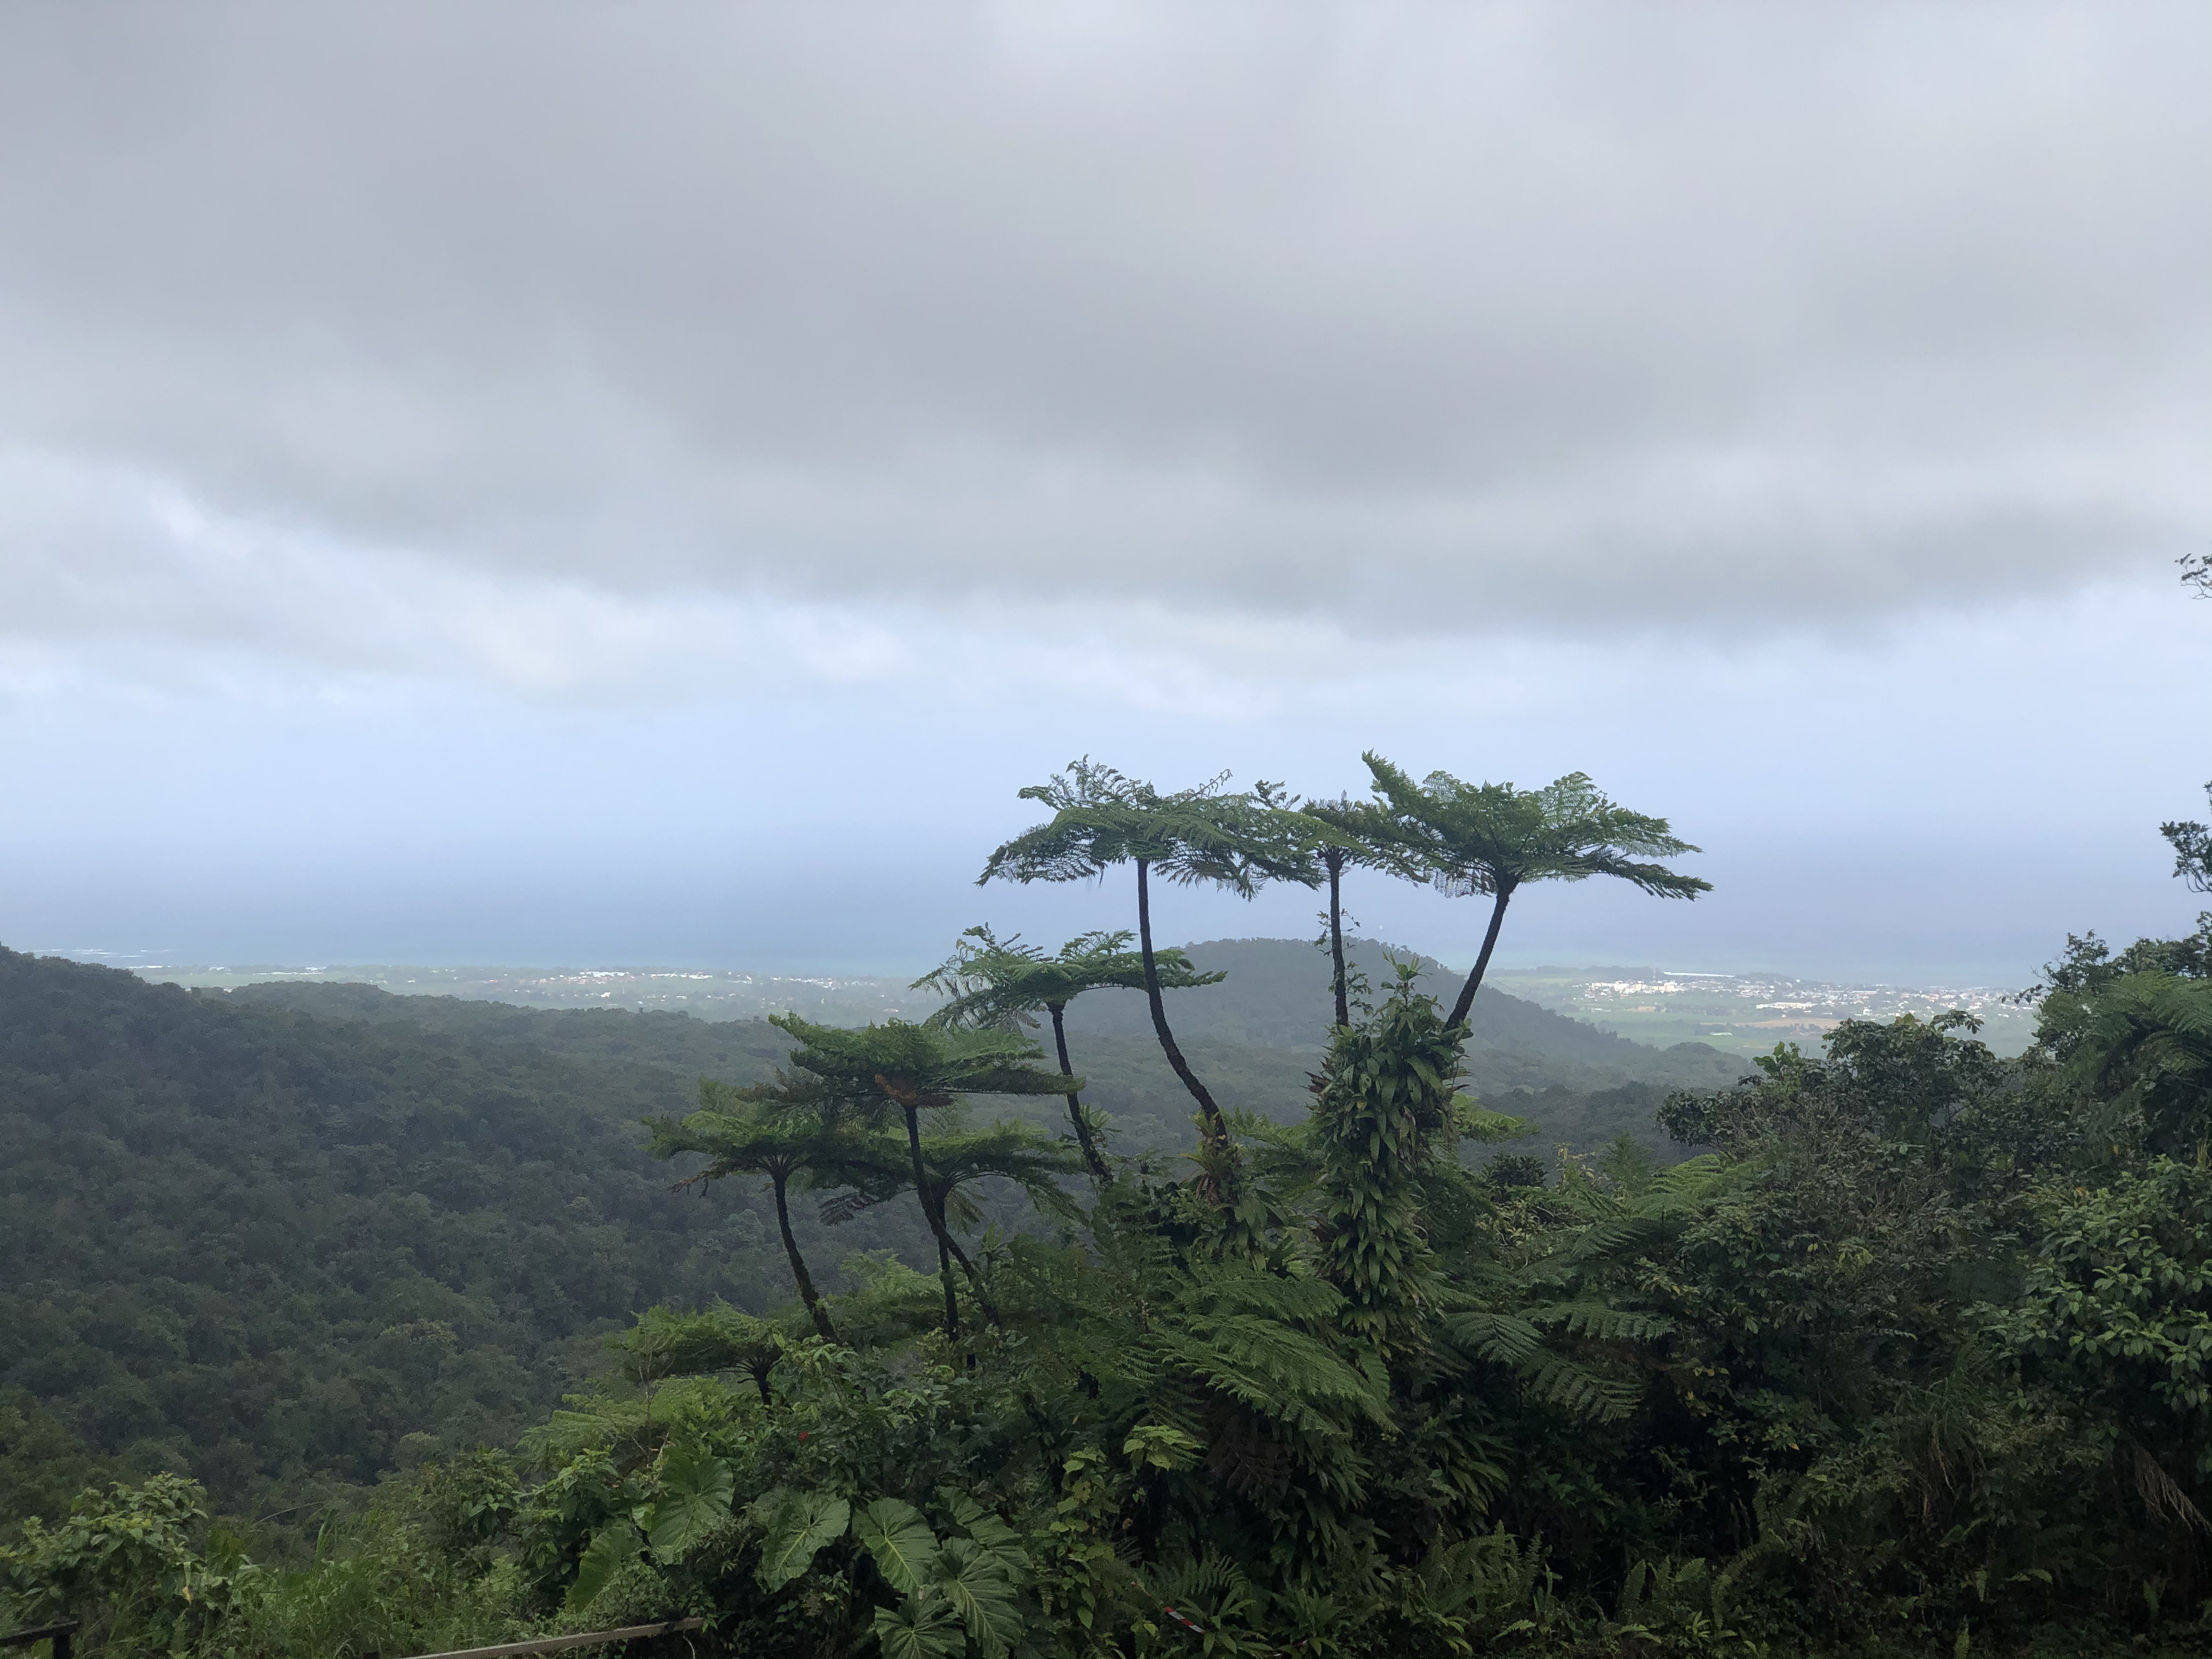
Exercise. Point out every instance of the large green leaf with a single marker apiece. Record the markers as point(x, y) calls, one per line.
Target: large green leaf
point(905, 1548)
point(797, 1524)
point(975, 1584)
point(920, 1627)
point(694, 1499)
point(612, 1549)
point(998, 1539)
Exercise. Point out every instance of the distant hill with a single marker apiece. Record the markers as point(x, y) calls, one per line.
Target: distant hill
point(1255, 1038)
point(1277, 996)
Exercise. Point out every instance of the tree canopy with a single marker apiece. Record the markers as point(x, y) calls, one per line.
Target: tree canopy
point(2192, 849)
point(990, 983)
point(917, 1068)
point(796, 1129)
point(1203, 835)
point(1491, 840)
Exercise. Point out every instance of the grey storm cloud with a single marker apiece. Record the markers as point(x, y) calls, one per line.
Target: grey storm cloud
point(1401, 315)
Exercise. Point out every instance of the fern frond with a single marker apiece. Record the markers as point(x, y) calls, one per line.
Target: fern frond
point(1581, 1391)
point(1600, 1321)
point(1691, 1177)
point(1500, 1338)
point(1297, 1299)
point(1276, 1371)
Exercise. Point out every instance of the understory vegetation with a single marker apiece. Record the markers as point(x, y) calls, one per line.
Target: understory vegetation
point(1910, 1352)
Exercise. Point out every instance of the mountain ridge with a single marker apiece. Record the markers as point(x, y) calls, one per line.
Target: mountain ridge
point(1276, 998)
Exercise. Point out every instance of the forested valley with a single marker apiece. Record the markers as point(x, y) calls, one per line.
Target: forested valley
point(1249, 1298)
point(283, 1241)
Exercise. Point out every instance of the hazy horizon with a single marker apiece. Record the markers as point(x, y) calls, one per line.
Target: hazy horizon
point(904, 971)
point(651, 487)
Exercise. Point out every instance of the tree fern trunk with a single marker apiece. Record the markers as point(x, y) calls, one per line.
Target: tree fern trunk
point(1482, 962)
point(944, 1274)
point(975, 1281)
point(1215, 1125)
point(805, 1280)
point(1334, 861)
point(929, 1214)
point(1074, 1102)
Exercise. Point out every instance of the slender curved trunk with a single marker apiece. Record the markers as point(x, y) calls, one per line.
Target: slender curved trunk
point(1098, 1170)
point(1481, 962)
point(1215, 1125)
point(807, 1293)
point(944, 1274)
point(936, 1222)
point(975, 1282)
point(1334, 861)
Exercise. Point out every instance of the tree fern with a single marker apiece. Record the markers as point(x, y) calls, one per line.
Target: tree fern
point(917, 1068)
point(1202, 835)
point(1003, 984)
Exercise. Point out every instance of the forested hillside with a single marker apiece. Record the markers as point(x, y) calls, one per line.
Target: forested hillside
point(269, 1249)
point(1910, 1357)
point(284, 1238)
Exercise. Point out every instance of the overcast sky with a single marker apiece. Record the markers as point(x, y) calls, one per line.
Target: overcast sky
point(648, 484)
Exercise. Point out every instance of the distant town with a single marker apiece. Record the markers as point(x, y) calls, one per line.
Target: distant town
point(1745, 1013)
point(1751, 1012)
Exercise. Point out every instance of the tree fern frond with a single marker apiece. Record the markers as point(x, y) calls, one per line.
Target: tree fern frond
point(1276, 1371)
point(1292, 1299)
point(1600, 1321)
point(1691, 1177)
point(1581, 1391)
point(1502, 1338)
point(1621, 1235)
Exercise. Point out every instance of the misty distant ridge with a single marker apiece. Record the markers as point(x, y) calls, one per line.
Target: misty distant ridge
point(1276, 997)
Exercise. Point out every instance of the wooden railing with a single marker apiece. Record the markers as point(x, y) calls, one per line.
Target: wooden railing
point(554, 1643)
point(57, 1634)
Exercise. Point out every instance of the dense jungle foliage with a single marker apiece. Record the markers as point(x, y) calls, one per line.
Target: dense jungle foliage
point(1914, 1353)
point(287, 1239)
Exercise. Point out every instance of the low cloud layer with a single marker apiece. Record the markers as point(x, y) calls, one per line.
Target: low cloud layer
point(1405, 319)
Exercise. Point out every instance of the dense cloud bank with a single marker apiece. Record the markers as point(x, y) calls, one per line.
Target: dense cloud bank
point(1505, 316)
